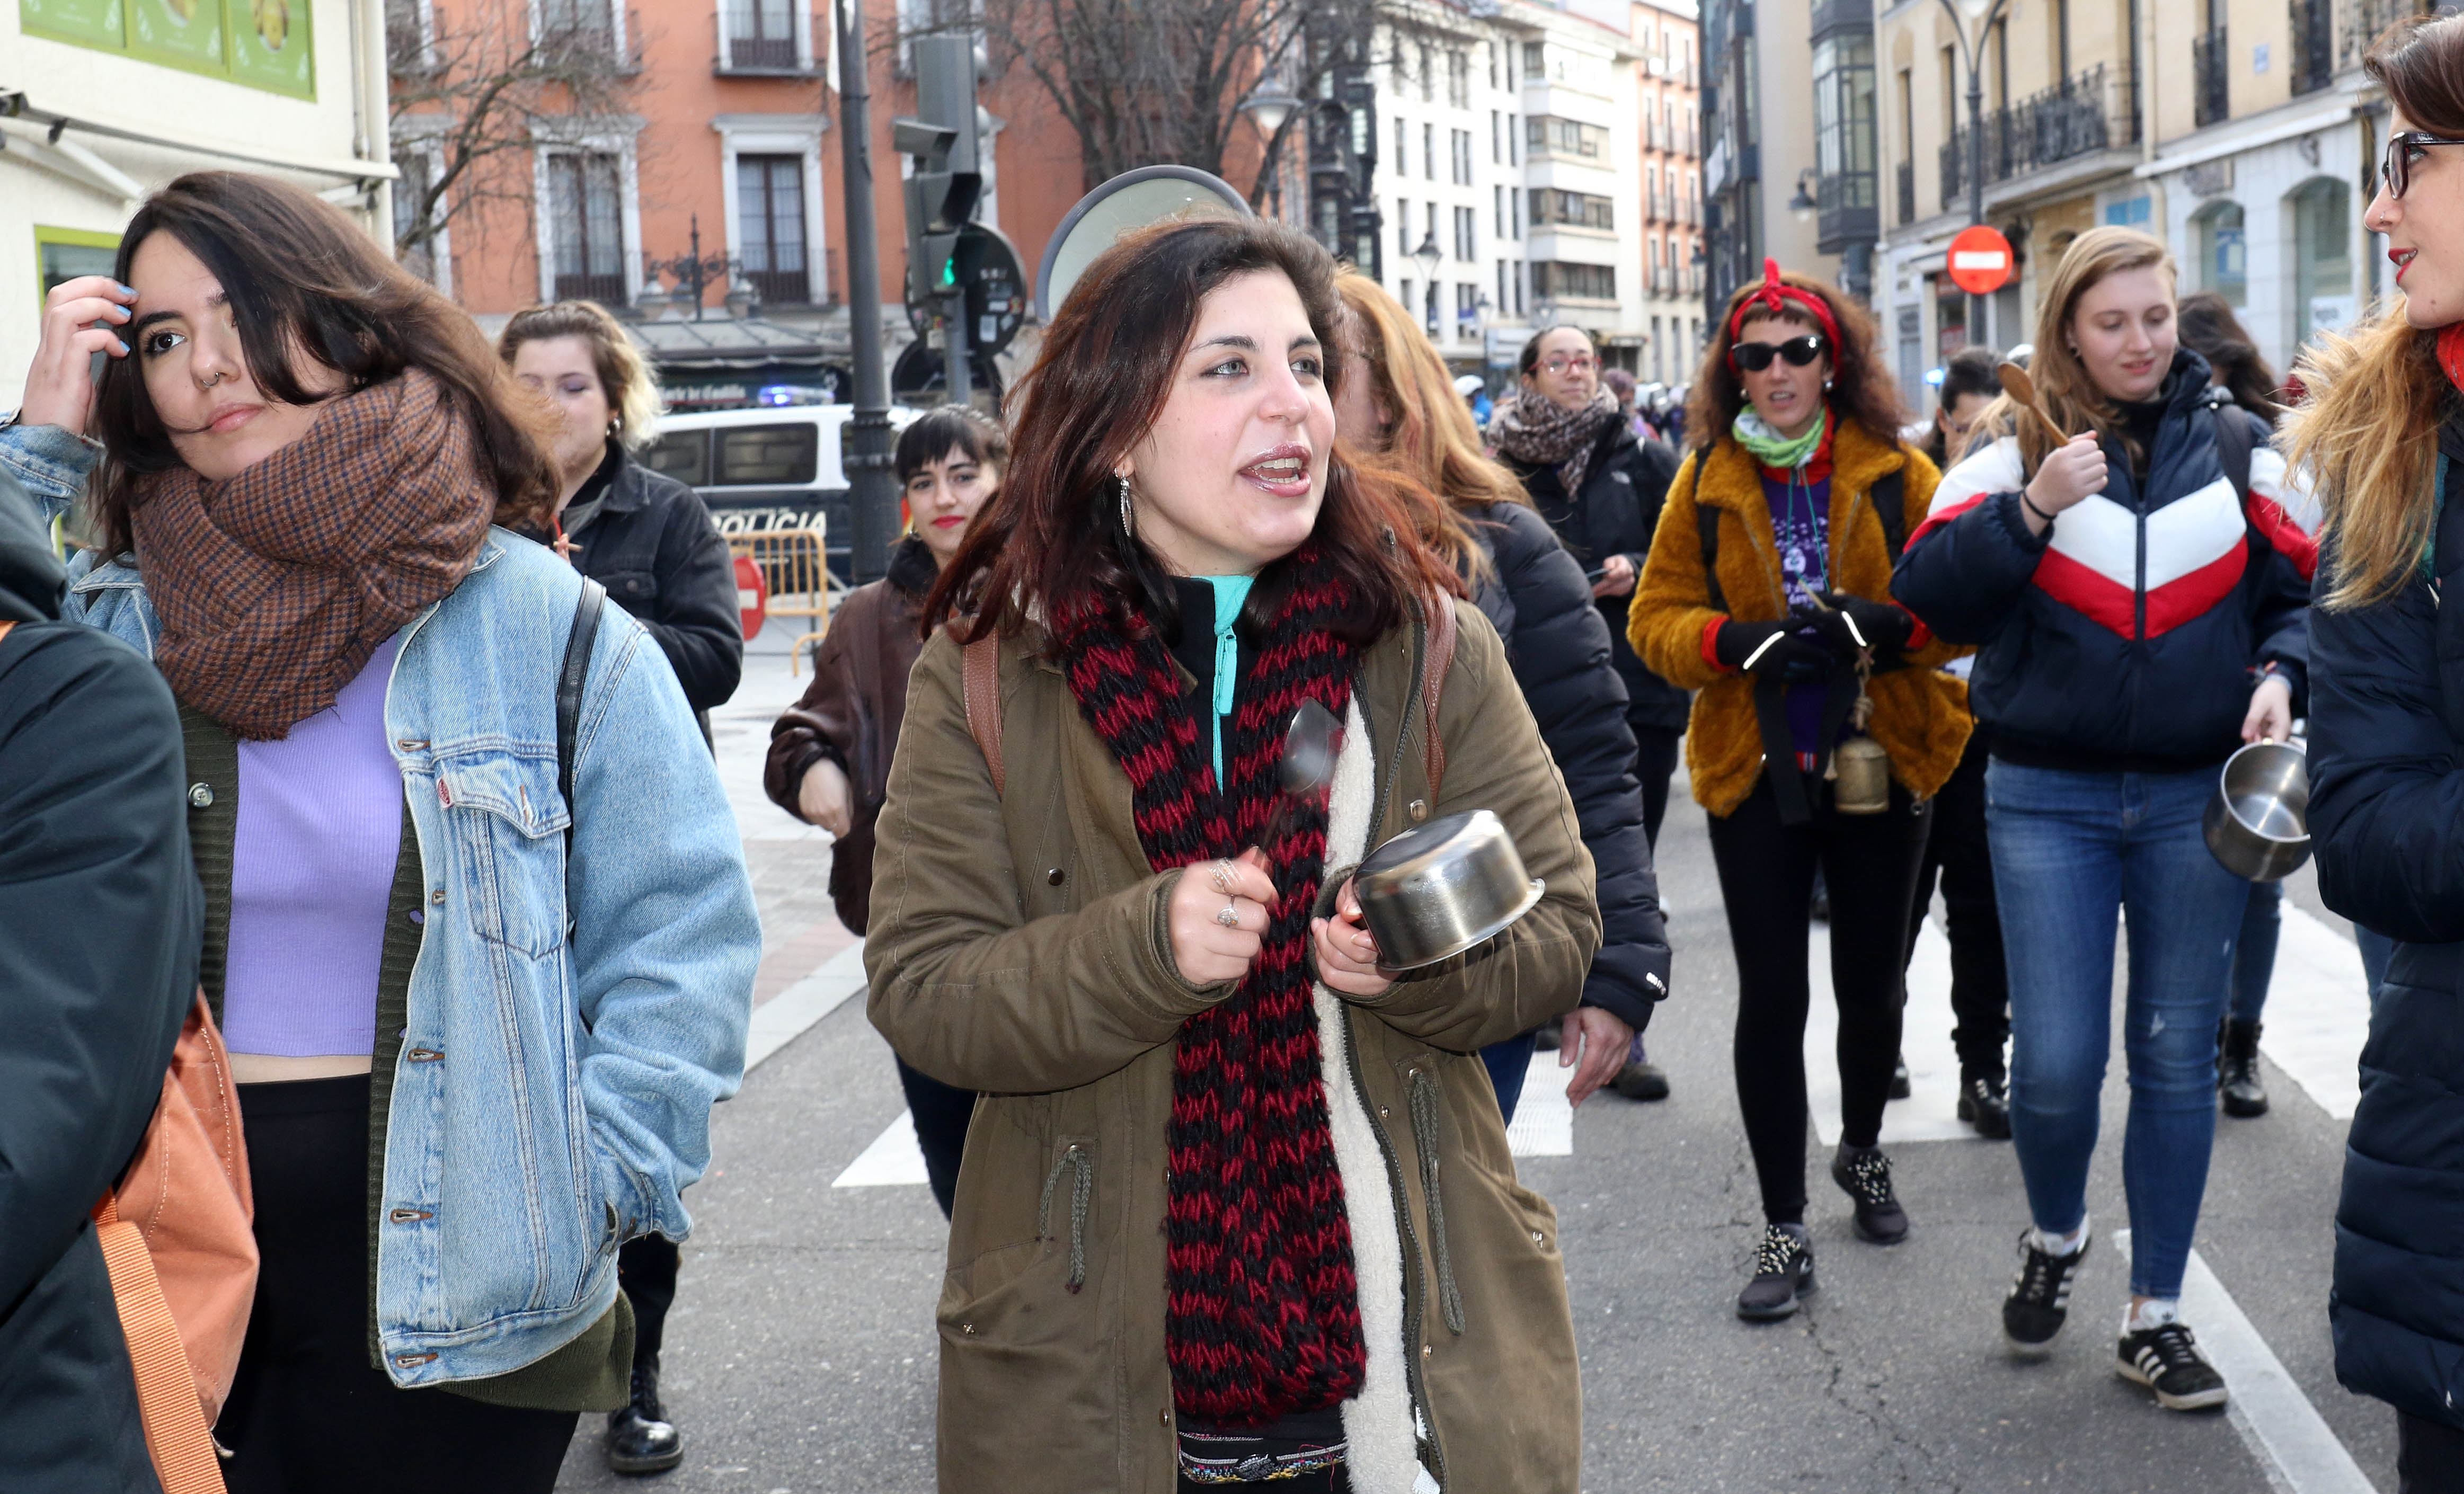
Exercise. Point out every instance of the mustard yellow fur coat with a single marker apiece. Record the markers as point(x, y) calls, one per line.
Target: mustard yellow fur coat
point(1920, 714)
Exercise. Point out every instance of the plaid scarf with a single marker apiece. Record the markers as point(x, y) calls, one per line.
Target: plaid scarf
point(275, 585)
point(1537, 430)
point(1263, 1314)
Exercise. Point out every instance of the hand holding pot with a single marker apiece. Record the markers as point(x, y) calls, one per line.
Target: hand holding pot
point(1347, 956)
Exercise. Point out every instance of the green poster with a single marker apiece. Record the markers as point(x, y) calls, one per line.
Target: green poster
point(272, 46)
point(94, 22)
point(186, 34)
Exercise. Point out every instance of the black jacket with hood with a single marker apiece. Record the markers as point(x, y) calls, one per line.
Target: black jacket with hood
point(99, 922)
point(650, 540)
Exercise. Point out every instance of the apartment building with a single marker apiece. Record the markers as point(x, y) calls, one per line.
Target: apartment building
point(1668, 97)
point(1761, 172)
point(2241, 131)
point(104, 101)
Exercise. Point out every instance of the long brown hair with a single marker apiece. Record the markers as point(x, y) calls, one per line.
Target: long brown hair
point(303, 279)
point(2210, 329)
point(1431, 441)
point(2368, 430)
point(1052, 536)
point(1862, 390)
point(2064, 384)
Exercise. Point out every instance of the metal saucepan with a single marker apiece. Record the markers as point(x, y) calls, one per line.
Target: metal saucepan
point(2258, 824)
point(1438, 889)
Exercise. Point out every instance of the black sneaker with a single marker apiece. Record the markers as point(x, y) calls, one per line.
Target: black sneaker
point(1864, 1174)
point(1783, 1274)
point(1641, 1082)
point(2166, 1360)
point(1899, 1089)
point(640, 1437)
point(2237, 1069)
point(1985, 1105)
point(2041, 1295)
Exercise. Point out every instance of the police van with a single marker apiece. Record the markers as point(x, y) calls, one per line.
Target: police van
point(771, 467)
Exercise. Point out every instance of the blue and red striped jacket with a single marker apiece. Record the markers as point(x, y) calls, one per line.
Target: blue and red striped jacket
point(2130, 635)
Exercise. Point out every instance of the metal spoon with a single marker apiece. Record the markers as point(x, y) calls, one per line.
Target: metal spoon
point(1312, 742)
point(2017, 383)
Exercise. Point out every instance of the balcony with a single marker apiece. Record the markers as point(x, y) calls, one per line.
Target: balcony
point(608, 289)
point(1908, 192)
point(781, 287)
point(1845, 212)
point(1841, 15)
point(2210, 67)
point(761, 44)
point(2083, 114)
point(2364, 20)
point(2314, 44)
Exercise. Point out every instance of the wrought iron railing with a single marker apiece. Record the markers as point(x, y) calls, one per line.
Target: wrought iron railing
point(2086, 113)
point(2314, 44)
point(2210, 67)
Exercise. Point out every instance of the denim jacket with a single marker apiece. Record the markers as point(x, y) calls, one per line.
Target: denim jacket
point(553, 1095)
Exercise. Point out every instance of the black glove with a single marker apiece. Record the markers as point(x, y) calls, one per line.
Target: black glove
point(1854, 623)
point(1771, 649)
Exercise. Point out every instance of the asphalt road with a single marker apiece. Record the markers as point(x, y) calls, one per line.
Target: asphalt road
point(801, 1354)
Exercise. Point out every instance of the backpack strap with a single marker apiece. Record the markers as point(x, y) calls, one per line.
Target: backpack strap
point(569, 680)
point(2233, 442)
point(1438, 658)
point(1890, 500)
point(980, 673)
point(1709, 536)
point(176, 1437)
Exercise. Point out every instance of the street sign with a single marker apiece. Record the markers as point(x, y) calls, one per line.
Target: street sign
point(1980, 260)
point(752, 595)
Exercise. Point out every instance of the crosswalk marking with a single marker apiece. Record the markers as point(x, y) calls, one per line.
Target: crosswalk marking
point(895, 1159)
point(2318, 1013)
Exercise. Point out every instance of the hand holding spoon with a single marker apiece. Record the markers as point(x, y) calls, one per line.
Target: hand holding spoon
point(2017, 383)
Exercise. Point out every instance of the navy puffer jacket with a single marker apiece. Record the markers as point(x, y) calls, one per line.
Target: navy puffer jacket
point(1560, 649)
point(2125, 637)
point(2387, 815)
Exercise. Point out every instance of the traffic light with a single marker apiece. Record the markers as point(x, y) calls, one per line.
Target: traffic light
point(942, 189)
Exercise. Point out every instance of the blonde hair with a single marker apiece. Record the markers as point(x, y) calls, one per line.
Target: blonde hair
point(623, 377)
point(2064, 383)
point(2368, 426)
point(1430, 444)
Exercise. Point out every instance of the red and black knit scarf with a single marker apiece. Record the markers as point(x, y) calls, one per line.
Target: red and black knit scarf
point(1263, 1314)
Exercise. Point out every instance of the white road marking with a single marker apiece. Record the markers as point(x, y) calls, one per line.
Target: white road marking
point(2318, 1013)
point(783, 1017)
point(1544, 1122)
point(891, 1160)
point(2274, 1419)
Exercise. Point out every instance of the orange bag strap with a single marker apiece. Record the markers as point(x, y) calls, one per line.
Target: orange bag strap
point(176, 1434)
point(1438, 658)
point(979, 670)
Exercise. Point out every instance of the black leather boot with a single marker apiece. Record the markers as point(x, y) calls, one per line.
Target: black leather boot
point(639, 1438)
point(1985, 1104)
point(2237, 1069)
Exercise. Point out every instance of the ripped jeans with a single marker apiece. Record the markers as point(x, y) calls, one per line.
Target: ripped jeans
point(2070, 849)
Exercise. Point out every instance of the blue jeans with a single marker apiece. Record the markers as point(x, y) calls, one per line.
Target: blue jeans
point(2254, 960)
point(2070, 850)
point(1508, 1062)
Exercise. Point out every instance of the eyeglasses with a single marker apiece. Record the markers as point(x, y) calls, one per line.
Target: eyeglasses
point(2397, 168)
point(1578, 364)
point(1755, 357)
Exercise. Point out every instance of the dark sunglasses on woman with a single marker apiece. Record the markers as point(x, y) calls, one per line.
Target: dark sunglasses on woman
point(2400, 153)
point(1755, 357)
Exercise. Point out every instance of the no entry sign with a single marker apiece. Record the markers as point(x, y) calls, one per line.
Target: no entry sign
point(1980, 260)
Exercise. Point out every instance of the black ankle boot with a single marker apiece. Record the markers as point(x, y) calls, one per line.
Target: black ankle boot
point(1985, 1104)
point(2237, 1069)
point(639, 1438)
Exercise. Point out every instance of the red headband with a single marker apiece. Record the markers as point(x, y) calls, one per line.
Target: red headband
point(1771, 298)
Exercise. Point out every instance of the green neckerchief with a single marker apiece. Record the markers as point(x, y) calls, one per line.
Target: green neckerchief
point(1231, 594)
point(1772, 450)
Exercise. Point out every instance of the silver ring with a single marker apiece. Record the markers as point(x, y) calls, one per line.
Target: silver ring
point(1223, 873)
point(1230, 917)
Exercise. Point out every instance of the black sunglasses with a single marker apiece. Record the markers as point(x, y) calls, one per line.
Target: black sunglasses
point(2397, 168)
point(1755, 357)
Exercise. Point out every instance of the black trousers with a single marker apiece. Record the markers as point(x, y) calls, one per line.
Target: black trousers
point(1956, 852)
point(646, 1269)
point(308, 1414)
point(941, 1112)
point(1767, 883)
point(2428, 1455)
point(1655, 763)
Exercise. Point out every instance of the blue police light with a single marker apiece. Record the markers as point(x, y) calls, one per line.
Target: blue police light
point(783, 394)
point(1933, 378)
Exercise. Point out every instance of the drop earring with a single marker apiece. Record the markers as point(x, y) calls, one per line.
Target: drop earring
point(1129, 523)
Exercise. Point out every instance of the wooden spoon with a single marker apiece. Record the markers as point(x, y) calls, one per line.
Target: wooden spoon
point(2016, 384)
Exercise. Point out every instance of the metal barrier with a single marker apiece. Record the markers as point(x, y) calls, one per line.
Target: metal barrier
point(795, 565)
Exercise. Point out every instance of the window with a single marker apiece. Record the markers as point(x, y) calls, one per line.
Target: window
point(1492, 64)
point(577, 25)
point(1466, 227)
point(1433, 231)
point(1504, 278)
point(1843, 119)
point(411, 189)
point(760, 35)
point(588, 228)
point(1514, 210)
point(2224, 261)
point(681, 454)
point(66, 254)
point(1466, 308)
point(1428, 76)
point(1573, 282)
point(1429, 151)
point(770, 227)
point(1580, 209)
point(1402, 138)
point(1463, 158)
point(768, 455)
point(2323, 258)
point(1548, 135)
point(1497, 220)
point(1511, 148)
point(268, 45)
point(1403, 227)
point(1403, 294)
point(1459, 78)
point(1534, 60)
point(1518, 288)
point(1496, 139)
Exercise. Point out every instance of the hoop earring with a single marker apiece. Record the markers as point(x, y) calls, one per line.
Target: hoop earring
point(1128, 521)
point(615, 425)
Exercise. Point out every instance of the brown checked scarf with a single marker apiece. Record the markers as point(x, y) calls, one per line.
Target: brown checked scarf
point(275, 585)
point(1537, 430)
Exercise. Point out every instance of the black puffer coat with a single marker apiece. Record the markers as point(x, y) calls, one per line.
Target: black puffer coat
point(2387, 815)
point(653, 545)
point(99, 920)
point(1624, 488)
point(1558, 648)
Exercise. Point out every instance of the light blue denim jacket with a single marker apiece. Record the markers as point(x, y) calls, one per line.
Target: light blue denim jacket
point(571, 1104)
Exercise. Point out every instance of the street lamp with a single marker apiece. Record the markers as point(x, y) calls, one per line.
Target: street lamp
point(1269, 107)
point(1980, 16)
point(1803, 204)
point(1429, 255)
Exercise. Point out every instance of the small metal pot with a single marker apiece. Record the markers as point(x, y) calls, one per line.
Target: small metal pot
point(1438, 889)
point(2258, 825)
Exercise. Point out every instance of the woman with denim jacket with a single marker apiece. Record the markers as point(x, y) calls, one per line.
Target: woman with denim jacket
point(2141, 617)
point(477, 1030)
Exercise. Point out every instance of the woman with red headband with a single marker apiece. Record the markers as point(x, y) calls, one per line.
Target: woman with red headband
point(1768, 590)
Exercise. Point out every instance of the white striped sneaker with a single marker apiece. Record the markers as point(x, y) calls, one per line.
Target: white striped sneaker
point(2041, 1295)
point(2166, 1360)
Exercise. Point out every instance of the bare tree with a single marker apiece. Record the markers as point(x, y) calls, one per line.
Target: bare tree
point(475, 91)
point(1151, 82)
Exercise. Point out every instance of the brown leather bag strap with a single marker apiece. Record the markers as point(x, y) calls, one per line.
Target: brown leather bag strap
point(183, 1449)
point(1438, 658)
point(980, 668)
